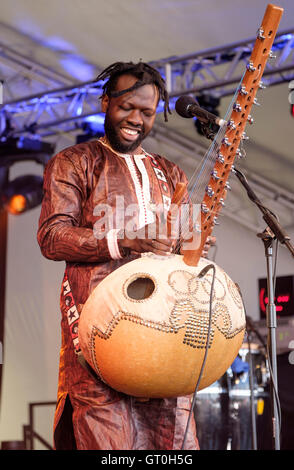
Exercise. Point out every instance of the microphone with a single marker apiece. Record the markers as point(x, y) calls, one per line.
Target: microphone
point(187, 107)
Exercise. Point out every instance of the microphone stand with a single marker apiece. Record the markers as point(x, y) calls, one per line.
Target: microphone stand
point(273, 231)
point(252, 330)
point(251, 384)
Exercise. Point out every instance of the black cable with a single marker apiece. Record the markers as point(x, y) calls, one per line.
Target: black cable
point(201, 274)
point(275, 266)
point(275, 389)
point(266, 345)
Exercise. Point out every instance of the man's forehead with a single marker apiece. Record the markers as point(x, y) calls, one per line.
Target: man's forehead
point(129, 86)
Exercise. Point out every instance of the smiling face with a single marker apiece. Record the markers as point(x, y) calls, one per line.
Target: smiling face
point(129, 118)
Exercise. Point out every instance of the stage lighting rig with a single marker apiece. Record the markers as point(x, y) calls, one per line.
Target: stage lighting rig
point(14, 150)
point(24, 192)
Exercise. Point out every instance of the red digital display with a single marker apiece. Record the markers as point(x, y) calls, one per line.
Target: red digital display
point(284, 296)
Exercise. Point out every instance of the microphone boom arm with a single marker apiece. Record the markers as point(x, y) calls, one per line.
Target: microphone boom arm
point(268, 216)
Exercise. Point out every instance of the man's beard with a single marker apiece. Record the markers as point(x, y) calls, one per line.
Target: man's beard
point(114, 140)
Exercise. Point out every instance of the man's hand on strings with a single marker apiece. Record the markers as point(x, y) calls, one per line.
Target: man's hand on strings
point(152, 237)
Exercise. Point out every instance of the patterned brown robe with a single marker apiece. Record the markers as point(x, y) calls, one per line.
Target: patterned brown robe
point(89, 414)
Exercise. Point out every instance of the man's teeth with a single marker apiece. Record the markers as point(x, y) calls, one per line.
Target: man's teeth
point(130, 131)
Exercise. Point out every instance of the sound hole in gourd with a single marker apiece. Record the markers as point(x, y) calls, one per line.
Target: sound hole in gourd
point(140, 288)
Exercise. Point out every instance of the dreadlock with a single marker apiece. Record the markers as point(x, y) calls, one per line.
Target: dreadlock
point(146, 75)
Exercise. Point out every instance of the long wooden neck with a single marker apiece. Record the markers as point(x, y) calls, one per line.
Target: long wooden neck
point(216, 189)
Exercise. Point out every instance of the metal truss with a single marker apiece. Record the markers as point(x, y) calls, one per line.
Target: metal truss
point(23, 76)
point(50, 113)
point(219, 70)
point(63, 109)
point(44, 103)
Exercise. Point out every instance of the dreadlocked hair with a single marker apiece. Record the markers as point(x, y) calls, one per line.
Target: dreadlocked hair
point(146, 75)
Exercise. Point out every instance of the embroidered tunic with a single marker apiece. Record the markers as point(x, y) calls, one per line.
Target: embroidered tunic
point(78, 182)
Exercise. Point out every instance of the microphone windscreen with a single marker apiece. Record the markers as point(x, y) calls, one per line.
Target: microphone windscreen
point(182, 104)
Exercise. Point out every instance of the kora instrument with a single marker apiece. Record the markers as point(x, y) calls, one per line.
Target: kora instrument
point(144, 329)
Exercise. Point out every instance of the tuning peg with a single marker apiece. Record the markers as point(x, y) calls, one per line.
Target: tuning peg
point(250, 119)
point(222, 202)
point(215, 175)
point(228, 187)
point(209, 191)
point(260, 34)
point(226, 142)
point(231, 124)
point(243, 91)
point(237, 107)
point(204, 208)
point(271, 55)
point(215, 222)
point(261, 85)
point(220, 158)
point(240, 153)
point(256, 102)
point(250, 67)
point(244, 136)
